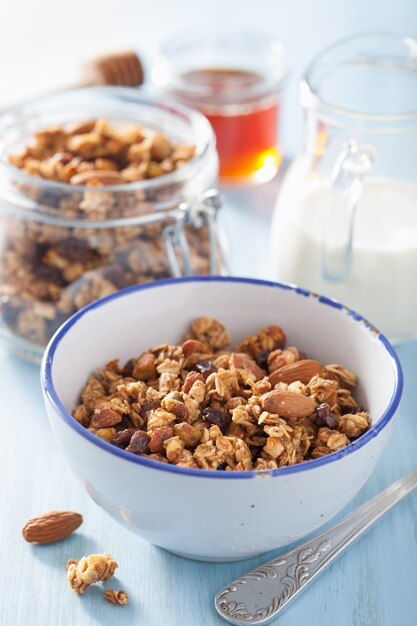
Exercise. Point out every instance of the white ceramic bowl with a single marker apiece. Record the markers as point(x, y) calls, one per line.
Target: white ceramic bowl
point(218, 515)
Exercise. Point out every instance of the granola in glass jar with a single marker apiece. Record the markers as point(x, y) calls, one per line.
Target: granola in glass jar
point(98, 203)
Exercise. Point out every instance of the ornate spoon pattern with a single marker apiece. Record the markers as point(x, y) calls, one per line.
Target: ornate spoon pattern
point(262, 594)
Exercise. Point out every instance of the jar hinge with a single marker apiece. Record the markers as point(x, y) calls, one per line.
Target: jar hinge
point(202, 212)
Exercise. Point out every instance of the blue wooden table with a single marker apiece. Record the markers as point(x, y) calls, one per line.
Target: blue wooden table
point(373, 584)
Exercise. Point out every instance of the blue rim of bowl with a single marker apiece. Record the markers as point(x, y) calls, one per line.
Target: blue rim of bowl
point(51, 394)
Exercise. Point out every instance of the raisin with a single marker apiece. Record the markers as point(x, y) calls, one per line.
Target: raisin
point(123, 437)
point(139, 443)
point(49, 274)
point(76, 250)
point(324, 416)
point(147, 406)
point(205, 367)
point(262, 359)
point(214, 416)
point(180, 411)
point(119, 277)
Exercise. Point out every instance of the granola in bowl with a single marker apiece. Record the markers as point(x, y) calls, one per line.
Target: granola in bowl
point(201, 404)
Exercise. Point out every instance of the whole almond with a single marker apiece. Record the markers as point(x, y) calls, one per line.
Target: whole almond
point(51, 527)
point(302, 370)
point(288, 403)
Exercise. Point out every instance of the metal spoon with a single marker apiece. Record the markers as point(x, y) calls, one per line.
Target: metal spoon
point(261, 595)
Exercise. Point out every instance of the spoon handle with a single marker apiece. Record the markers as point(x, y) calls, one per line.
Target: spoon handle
point(262, 594)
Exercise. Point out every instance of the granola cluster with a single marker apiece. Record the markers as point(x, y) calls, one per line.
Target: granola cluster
point(92, 569)
point(94, 153)
point(116, 597)
point(89, 570)
point(52, 267)
point(259, 406)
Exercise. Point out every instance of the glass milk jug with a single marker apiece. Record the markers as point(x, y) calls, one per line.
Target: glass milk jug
point(345, 224)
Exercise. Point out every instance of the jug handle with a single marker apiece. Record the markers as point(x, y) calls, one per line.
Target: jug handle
point(202, 212)
point(351, 166)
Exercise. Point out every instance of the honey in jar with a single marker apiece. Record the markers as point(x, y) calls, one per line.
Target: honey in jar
point(246, 134)
point(236, 82)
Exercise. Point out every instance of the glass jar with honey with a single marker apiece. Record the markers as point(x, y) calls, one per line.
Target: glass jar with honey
point(236, 80)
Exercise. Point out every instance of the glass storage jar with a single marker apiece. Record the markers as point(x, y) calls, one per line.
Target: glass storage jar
point(345, 223)
point(63, 245)
point(236, 79)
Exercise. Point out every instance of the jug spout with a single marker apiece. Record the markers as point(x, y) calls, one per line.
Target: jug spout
point(351, 166)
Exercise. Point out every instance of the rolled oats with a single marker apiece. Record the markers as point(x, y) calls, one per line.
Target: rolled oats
point(220, 412)
point(353, 424)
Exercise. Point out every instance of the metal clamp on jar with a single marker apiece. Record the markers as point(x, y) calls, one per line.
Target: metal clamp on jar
point(64, 245)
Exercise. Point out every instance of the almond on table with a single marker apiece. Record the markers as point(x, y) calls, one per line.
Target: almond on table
point(52, 526)
point(204, 405)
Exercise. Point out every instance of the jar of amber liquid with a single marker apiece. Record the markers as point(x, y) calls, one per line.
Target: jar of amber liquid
point(236, 80)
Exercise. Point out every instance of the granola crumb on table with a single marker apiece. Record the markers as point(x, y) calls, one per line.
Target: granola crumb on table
point(116, 597)
point(201, 405)
point(89, 570)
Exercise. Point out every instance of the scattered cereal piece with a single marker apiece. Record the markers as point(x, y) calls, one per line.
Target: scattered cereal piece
point(89, 570)
point(210, 331)
point(116, 597)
